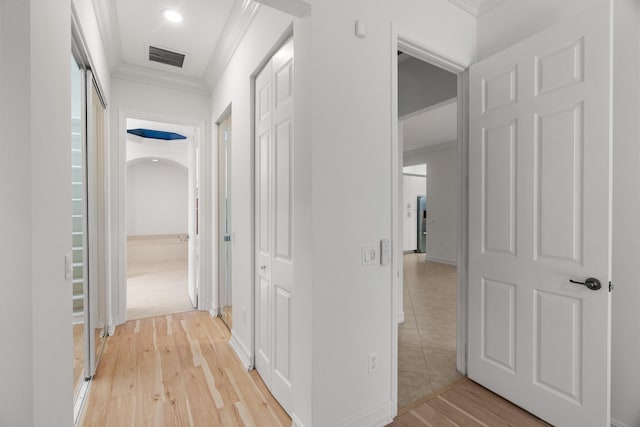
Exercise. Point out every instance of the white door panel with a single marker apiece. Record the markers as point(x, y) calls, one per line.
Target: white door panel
point(539, 216)
point(274, 223)
point(263, 220)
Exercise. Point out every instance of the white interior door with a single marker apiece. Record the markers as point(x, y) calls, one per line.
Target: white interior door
point(274, 221)
point(539, 216)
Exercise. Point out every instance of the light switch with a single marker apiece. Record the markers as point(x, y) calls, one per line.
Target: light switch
point(369, 255)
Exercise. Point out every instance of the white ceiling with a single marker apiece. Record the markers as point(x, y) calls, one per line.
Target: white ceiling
point(208, 35)
point(140, 24)
point(436, 125)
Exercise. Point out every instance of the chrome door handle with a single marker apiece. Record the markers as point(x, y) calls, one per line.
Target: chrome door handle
point(591, 283)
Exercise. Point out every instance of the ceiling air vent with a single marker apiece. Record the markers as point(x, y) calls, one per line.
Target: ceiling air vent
point(164, 56)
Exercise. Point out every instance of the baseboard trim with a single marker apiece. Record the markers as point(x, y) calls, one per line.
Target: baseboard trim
point(116, 321)
point(401, 317)
point(295, 421)
point(213, 311)
point(241, 350)
point(377, 416)
point(441, 260)
point(615, 423)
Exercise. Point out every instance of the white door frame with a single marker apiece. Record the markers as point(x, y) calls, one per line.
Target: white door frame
point(216, 308)
point(426, 54)
point(119, 292)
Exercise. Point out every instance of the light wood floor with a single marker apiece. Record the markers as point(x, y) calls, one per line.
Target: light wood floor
point(78, 357)
point(177, 370)
point(464, 403)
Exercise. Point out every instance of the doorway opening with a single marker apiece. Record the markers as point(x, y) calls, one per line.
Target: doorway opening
point(429, 227)
point(162, 209)
point(224, 220)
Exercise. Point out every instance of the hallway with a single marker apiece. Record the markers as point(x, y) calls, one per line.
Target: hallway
point(177, 370)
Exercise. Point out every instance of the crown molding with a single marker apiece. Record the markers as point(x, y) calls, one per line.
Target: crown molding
point(476, 8)
point(107, 18)
point(487, 5)
point(235, 28)
point(297, 8)
point(152, 77)
point(469, 6)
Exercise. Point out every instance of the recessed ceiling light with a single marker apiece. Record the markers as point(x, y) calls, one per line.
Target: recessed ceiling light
point(154, 160)
point(171, 15)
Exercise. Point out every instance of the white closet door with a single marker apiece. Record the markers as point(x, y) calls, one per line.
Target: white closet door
point(263, 217)
point(540, 176)
point(274, 223)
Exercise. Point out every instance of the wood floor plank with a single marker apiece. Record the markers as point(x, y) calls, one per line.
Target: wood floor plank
point(454, 415)
point(507, 410)
point(177, 370)
point(120, 412)
point(464, 404)
point(407, 420)
point(480, 412)
point(431, 417)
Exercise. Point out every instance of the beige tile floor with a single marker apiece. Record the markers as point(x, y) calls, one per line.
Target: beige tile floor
point(427, 338)
point(157, 289)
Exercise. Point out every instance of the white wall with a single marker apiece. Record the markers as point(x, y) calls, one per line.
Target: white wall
point(442, 200)
point(163, 105)
point(177, 152)
point(157, 197)
point(626, 216)
point(514, 21)
point(35, 299)
point(351, 122)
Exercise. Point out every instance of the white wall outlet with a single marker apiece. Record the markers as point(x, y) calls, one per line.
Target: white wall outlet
point(369, 255)
point(373, 363)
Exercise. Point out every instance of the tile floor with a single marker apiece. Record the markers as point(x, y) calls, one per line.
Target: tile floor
point(427, 338)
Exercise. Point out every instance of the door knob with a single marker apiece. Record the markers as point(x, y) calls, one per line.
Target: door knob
point(263, 267)
point(591, 283)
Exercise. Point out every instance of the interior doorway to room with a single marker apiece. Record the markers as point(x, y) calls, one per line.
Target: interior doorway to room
point(224, 221)
point(428, 140)
point(162, 209)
